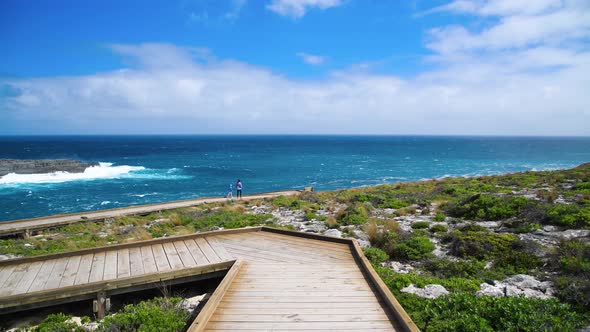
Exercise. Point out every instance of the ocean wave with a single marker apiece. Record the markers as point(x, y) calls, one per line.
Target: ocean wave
point(103, 171)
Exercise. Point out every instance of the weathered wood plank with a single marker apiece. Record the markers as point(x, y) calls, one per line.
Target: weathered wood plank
point(172, 255)
point(207, 250)
point(97, 270)
point(110, 265)
point(5, 272)
point(56, 273)
point(17, 274)
point(219, 248)
point(135, 261)
point(123, 266)
point(297, 310)
point(299, 326)
point(28, 278)
point(185, 255)
point(160, 257)
point(69, 276)
point(84, 269)
point(147, 257)
point(42, 276)
point(196, 252)
point(298, 317)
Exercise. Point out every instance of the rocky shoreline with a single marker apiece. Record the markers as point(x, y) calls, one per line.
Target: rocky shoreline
point(43, 166)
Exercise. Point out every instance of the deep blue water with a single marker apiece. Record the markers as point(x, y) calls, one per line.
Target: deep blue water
point(168, 168)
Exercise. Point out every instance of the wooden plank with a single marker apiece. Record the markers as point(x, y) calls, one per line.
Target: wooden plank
point(317, 310)
point(298, 317)
point(253, 258)
point(295, 299)
point(300, 326)
point(56, 273)
point(306, 294)
point(219, 248)
point(147, 257)
point(84, 269)
point(196, 252)
point(272, 254)
point(17, 274)
point(135, 261)
point(207, 250)
point(110, 265)
point(172, 255)
point(123, 266)
point(269, 306)
point(208, 310)
point(185, 255)
point(28, 278)
point(69, 276)
point(97, 270)
point(5, 272)
point(42, 276)
point(160, 257)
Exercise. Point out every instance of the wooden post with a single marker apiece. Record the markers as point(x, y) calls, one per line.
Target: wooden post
point(100, 305)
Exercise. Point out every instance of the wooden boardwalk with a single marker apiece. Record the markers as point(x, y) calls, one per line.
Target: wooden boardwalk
point(280, 280)
point(25, 225)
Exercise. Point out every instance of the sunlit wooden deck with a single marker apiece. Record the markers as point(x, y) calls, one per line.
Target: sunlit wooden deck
point(277, 280)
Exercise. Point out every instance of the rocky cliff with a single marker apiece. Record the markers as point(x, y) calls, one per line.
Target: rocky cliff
point(42, 166)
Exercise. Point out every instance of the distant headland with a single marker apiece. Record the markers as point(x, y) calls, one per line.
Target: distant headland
point(41, 166)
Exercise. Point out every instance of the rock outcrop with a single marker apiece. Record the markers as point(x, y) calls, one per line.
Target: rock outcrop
point(43, 166)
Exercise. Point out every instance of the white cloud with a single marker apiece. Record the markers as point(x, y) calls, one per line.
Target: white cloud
point(298, 8)
point(312, 59)
point(499, 7)
point(169, 91)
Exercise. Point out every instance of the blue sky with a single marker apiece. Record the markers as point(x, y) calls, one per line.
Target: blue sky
point(488, 67)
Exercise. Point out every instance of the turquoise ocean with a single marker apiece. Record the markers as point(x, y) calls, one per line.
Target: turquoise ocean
point(149, 169)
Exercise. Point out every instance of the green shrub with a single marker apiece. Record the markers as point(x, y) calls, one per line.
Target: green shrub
point(229, 219)
point(355, 214)
point(439, 217)
point(57, 323)
point(392, 203)
point(375, 255)
point(159, 314)
point(290, 202)
point(480, 245)
point(420, 225)
point(487, 207)
point(468, 312)
point(439, 228)
point(310, 216)
point(415, 248)
point(572, 259)
point(445, 268)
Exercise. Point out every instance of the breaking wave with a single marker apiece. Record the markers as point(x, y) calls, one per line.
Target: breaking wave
point(103, 171)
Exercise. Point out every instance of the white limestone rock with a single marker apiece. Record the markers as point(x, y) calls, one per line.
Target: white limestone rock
point(428, 292)
point(333, 233)
point(486, 289)
point(398, 267)
point(190, 304)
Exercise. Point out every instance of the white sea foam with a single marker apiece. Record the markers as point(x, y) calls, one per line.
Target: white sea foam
point(103, 171)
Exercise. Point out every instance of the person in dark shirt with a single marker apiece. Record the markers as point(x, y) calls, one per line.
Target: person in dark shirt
point(239, 189)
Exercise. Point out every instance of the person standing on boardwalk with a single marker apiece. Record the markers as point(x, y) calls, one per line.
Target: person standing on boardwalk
point(230, 191)
point(239, 189)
